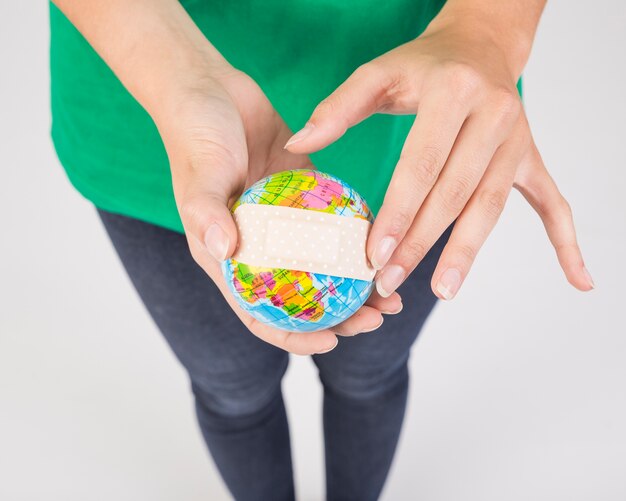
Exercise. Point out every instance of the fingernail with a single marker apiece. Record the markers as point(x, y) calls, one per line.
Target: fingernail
point(373, 328)
point(588, 277)
point(383, 252)
point(389, 280)
point(331, 348)
point(300, 135)
point(394, 312)
point(216, 242)
point(449, 283)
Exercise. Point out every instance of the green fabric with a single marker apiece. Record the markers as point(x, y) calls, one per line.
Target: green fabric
point(298, 52)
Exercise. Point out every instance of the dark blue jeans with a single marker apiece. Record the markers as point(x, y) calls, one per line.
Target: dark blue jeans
point(236, 378)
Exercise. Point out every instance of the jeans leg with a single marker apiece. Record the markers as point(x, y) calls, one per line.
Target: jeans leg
point(235, 377)
point(365, 381)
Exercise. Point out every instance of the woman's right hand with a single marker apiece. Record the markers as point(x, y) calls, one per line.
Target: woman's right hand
point(219, 129)
point(222, 135)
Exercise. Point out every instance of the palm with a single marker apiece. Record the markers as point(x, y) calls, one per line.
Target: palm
point(265, 132)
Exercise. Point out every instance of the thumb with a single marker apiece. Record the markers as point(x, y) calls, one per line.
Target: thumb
point(203, 208)
point(352, 102)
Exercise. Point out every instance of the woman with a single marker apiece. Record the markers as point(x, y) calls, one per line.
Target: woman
point(200, 103)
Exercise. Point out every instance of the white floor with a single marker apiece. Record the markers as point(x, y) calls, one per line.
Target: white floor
point(519, 385)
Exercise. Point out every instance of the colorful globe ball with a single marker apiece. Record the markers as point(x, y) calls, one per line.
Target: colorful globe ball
point(291, 299)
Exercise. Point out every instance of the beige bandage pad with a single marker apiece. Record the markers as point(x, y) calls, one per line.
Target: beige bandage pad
point(304, 240)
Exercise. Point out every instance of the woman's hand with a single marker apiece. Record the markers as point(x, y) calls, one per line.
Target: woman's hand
point(221, 136)
point(470, 143)
point(220, 132)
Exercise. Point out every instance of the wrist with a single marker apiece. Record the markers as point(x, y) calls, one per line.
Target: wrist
point(173, 62)
point(191, 74)
point(508, 28)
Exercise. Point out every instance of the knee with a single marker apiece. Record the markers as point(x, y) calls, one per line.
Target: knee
point(366, 383)
point(239, 392)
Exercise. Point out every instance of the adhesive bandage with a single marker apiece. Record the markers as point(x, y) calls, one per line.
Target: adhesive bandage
point(305, 240)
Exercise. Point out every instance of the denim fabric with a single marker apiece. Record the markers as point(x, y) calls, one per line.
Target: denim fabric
point(236, 378)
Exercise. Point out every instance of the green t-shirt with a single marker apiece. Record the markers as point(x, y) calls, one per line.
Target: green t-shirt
point(298, 52)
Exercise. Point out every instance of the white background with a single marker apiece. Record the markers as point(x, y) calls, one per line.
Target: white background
point(519, 384)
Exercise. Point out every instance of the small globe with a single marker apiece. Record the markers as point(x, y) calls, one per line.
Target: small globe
point(296, 300)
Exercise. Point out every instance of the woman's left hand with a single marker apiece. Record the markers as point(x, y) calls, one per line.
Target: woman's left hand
point(470, 143)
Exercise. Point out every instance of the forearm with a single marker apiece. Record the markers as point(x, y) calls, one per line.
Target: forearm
point(510, 24)
point(153, 46)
